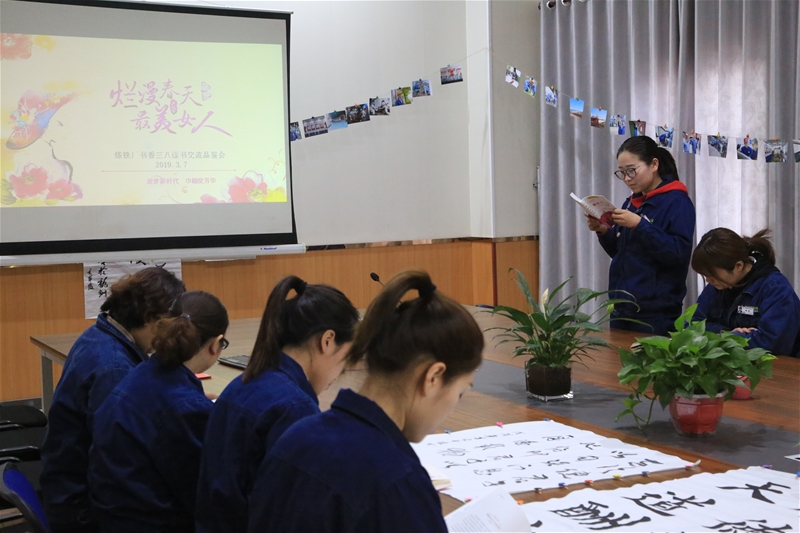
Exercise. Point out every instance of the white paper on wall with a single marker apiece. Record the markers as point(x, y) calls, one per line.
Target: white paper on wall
point(530, 455)
point(99, 277)
point(753, 500)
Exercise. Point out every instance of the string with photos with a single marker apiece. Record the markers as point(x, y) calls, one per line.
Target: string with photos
point(783, 143)
point(389, 94)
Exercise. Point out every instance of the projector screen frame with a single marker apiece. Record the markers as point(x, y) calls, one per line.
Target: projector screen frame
point(56, 248)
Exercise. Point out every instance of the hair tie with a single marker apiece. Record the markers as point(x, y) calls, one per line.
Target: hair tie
point(427, 291)
point(301, 287)
point(187, 317)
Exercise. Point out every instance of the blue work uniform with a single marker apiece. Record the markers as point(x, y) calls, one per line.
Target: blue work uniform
point(651, 261)
point(100, 358)
point(349, 469)
point(766, 301)
point(144, 462)
point(246, 421)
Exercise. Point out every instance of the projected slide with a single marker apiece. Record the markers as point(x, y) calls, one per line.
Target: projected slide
point(109, 122)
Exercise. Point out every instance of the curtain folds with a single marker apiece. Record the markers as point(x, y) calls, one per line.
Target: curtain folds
point(715, 66)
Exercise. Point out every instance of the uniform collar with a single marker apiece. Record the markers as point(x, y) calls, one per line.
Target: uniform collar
point(368, 411)
point(295, 372)
point(668, 184)
point(105, 324)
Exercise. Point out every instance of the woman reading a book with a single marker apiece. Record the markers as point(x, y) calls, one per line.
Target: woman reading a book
point(746, 293)
point(300, 349)
point(352, 468)
point(650, 242)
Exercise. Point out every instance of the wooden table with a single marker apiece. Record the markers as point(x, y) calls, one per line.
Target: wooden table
point(777, 401)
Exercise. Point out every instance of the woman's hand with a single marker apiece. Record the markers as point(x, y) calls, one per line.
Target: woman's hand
point(746, 331)
point(625, 218)
point(595, 225)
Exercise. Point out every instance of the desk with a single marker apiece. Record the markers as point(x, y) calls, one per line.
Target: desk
point(777, 403)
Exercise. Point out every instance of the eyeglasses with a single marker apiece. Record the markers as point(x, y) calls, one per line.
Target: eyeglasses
point(223, 342)
point(628, 172)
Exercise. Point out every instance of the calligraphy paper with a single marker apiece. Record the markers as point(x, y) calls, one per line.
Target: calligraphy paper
point(743, 501)
point(495, 511)
point(530, 455)
point(99, 277)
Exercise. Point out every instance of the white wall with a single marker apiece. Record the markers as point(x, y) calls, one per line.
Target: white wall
point(427, 170)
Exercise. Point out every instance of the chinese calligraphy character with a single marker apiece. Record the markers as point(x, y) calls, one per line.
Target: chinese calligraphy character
point(760, 526)
point(757, 490)
point(591, 515)
point(663, 506)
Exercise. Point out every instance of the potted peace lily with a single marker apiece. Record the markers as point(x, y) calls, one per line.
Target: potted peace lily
point(552, 333)
point(693, 371)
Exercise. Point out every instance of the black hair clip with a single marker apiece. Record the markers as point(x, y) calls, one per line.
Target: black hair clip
point(427, 292)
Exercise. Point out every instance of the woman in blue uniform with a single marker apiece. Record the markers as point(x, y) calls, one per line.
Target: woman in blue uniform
point(300, 349)
point(352, 468)
point(100, 358)
point(650, 243)
point(746, 293)
point(149, 432)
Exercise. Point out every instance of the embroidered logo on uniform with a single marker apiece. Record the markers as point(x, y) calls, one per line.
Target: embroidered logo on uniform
point(747, 310)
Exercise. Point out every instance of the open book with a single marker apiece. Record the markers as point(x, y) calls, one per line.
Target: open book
point(495, 511)
point(598, 207)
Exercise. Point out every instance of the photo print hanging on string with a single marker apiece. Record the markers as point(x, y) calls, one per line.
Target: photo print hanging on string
point(664, 136)
point(775, 151)
point(530, 87)
point(337, 120)
point(638, 128)
point(401, 96)
point(576, 108)
point(315, 126)
point(747, 148)
point(421, 88)
point(598, 117)
point(692, 142)
point(796, 146)
point(718, 145)
point(451, 74)
point(294, 132)
point(551, 96)
point(618, 124)
point(512, 76)
point(357, 113)
point(380, 106)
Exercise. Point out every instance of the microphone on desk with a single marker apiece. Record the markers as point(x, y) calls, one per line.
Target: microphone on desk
point(375, 277)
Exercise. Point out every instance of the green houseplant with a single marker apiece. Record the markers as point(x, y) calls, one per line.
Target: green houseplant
point(693, 371)
point(552, 333)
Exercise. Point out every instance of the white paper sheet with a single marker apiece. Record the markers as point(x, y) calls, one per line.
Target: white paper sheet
point(530, 455)
point(755, 500)
point(494, 511)
point(99, 277)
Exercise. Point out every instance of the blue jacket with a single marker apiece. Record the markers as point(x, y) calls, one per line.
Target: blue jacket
point(349, 469)
point(100, 358)
point(775, 312)
point(651, 261)
point(146, 453)
point(246, 421)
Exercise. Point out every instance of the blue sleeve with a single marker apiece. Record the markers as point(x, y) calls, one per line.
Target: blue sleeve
point(779, 320)
point(609, 241)
point(703, 311)
point(668, 238)
point(180, 443)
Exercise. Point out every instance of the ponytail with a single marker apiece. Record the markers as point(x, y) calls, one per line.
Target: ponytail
point(722, 248)
point(646, 149)
point(759, 244)
point(193, 319)
point(313, 310)
point(395, 335)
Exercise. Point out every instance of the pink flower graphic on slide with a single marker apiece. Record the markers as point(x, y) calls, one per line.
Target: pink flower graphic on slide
point(63, 190)
point(15, 46)
point(29, 182)
point(208, 199)
point(244, 189)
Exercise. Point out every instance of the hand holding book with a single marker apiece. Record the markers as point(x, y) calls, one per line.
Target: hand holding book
point(598, 207)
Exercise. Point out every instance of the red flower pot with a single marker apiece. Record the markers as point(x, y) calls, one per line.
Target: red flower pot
point(742, 393)
point(698, 416)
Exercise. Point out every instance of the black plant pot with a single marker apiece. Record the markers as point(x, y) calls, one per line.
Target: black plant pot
point(549, 383)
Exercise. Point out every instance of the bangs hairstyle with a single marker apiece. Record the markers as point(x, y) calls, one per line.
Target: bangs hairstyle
point(313, 310)
point(142, 297)
point(395, 336)
point(722, 248)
